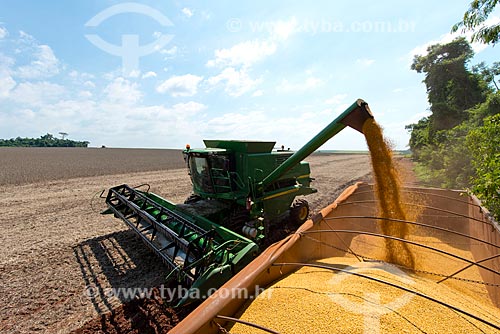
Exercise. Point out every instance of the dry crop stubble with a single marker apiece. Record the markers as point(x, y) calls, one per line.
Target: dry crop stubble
point(21, 165)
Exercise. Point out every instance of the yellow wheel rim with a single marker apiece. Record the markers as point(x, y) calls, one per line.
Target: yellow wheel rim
point(303, 213)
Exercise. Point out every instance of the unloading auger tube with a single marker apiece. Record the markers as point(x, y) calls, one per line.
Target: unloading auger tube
point(354, 117)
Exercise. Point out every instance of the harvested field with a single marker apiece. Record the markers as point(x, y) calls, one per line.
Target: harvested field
point(21, 165)
point(59, 257)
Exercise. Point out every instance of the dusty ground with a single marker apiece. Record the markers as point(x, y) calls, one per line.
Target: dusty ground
point(21, 165)
point(59, 256)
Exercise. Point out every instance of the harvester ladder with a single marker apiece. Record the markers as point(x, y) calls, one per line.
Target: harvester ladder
point(175, 239)
point(221, 180)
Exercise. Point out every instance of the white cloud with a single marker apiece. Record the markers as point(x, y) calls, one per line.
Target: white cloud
point(365, 62)
point(123, 91)
point(289, 87)
point(282, 30)
point(65, 111)
point(245, 54)
point(134, 74)
point(80, 75)
point(236, 62)
point(189, 108)
point(182, 118)
point(295, 128)
point(336, 99)
point(180, 85)
point(26, 38)
point(186, 11)
point(240, 125)
point(237, 82)
point(3, 32)
point(448, 37)
point(342, 107)
point(178, 113)
point(37, 93)
point(258, 93)
point(6, 85)
point(170, 53)
point(110, 75)
point(149, 74)
point(45, 64)
point(6, 64)
point(89, 84)
point(85, 94)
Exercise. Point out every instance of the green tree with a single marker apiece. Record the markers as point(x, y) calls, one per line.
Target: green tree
point(47, 140)
point(488, 73)
point(451, 87)
point(419, 136)
point(475, 17)
point(459, 100)
point(484, 144)
point(489, 108)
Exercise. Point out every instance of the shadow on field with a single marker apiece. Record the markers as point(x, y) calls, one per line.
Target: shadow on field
point(117, 268)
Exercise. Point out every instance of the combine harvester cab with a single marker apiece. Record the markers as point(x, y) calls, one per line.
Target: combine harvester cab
point(455, 284)
point(244, 199)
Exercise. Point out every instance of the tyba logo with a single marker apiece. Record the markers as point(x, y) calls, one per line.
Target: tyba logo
point(130, 51)
point(371, 307)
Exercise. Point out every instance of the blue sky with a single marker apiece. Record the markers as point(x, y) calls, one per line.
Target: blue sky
point(253, 70)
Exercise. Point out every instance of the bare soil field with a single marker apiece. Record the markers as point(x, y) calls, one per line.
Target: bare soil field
point(20, 165)
point(59, 256)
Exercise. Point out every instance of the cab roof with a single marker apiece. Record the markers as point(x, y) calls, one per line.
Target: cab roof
point(242, 146)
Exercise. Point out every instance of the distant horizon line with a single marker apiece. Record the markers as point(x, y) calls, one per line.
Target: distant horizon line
point(317, 151)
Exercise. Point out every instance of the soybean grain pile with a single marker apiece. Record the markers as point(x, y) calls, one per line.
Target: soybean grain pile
point(59, 256)
point(322, 301)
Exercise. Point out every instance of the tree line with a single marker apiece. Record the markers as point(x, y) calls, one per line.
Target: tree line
point(47, 140)
point(458, 144)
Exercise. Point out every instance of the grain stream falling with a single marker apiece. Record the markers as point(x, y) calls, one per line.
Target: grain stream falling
point(387, 190)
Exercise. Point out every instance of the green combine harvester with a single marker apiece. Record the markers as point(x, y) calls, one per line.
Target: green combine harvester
point(244, 199)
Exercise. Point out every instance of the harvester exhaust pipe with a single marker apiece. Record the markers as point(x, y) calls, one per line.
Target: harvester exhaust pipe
point(354, 116)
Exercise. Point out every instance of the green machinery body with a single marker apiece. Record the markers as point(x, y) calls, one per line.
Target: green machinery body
point(227, 175)
point(244, 198)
